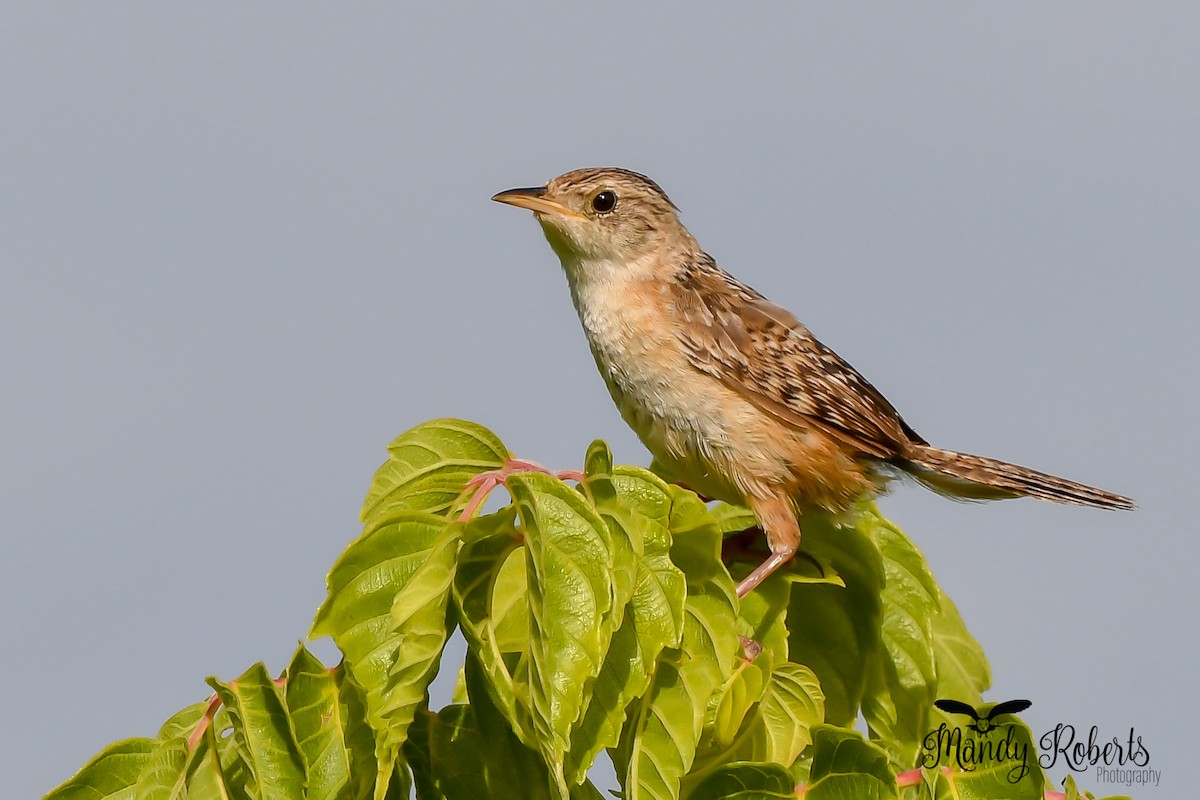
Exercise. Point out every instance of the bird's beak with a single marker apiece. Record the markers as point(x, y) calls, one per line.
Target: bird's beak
point(534, 199)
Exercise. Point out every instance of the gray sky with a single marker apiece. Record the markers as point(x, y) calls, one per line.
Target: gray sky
point(243, 246)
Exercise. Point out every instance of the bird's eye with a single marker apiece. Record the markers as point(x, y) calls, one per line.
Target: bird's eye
point(604, 201)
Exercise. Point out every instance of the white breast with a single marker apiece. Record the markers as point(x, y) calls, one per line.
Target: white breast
point(682, 415)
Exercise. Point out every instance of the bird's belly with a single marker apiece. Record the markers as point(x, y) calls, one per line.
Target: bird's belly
point(688, 433)
point(705, 435)
point(720, 446)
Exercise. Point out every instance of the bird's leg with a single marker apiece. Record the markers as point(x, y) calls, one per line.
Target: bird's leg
point(778, 519)
point(485, 482)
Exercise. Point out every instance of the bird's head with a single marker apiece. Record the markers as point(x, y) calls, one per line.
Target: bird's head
point(602, 218)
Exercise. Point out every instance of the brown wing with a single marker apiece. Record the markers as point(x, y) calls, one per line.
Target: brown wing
point(762, 352)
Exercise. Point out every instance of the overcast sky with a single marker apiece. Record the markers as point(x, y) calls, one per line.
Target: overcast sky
point(242, 246)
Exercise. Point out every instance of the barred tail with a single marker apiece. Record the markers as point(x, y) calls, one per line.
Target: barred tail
point(978, 478)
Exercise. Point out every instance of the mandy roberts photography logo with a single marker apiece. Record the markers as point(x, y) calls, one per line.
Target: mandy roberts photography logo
point(991, 744)
point(985, 742)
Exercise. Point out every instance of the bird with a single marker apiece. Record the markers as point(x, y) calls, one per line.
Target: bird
point(731, 394)
point(982, 724)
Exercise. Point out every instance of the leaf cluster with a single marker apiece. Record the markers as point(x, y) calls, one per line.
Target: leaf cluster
point(599, 618)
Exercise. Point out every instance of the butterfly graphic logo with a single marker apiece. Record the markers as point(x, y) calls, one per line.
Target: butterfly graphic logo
point(983, 724)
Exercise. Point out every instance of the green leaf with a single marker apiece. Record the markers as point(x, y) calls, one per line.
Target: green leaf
point(263, 733)
point(491, 602)
point(357, 737)
point(731, 711)
point(835, 630)
point(509, 609)
point(660, 739)
point(207, 780)
point(847, 767)
point(696, 549)
point(183, 722)
point(627, 524)
point(901, 690)
point(430, 464)
point(165, 774)
point(636, 506)
point(746, 781)
point(419, 620)
point(764, 715)
point(468, 752)
point(792, 706)
point(451, 759)
point(660, 587)
point(110, 775)
point(386, 611)
point(171, 765)
point(175, 771)
point(236, 774)
point(623, 677)
point(962, 669)
point(314, 704)
point(570, 563)
point(389, 592)
point(733, 519)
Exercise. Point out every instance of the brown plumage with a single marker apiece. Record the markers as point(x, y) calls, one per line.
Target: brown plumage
point(728, 390)
point(761, 351)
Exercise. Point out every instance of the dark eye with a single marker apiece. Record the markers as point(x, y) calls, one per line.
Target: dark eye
point(604, 201)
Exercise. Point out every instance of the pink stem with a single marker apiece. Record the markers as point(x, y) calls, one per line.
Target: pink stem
point(484, 488)
point(485, 482)
point(210, 711)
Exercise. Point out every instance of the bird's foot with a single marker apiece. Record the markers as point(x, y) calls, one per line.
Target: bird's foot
point(483, 483)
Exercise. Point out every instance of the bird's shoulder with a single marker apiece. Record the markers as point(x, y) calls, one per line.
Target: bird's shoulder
point(764, 353)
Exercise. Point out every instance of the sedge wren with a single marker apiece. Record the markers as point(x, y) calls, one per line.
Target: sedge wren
point(728, 391)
